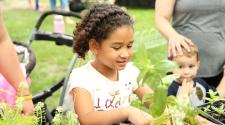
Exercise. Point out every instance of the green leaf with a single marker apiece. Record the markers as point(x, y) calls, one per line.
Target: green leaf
point(166, 66)
point(159, 101)
point(140, 57)
point(147, 97)
point(167, 80)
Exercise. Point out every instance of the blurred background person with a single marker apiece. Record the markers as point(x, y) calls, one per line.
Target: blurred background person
point(11, 70)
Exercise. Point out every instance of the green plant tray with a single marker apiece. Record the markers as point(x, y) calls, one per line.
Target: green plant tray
point(208, 116)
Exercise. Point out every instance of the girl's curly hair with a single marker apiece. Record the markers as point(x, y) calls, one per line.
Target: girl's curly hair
point(99, 22)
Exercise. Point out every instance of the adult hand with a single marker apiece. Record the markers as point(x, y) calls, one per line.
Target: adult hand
point(28, 107)
point(175, 44)
point(204, 121)
point(138, 117)
point(221, 86)
point(224, 70)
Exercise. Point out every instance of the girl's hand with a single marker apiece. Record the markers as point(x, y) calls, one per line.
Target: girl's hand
point(186, 88)
point(28, 107)
point(175, 43)
point(138, 117)
point(24, 93)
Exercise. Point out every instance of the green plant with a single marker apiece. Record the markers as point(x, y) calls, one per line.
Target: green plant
point(69, 118)
point(153, 68)
point(214, 109)
point(11, 115)
point(219, 109)
point(40, 112)
point(213, 97)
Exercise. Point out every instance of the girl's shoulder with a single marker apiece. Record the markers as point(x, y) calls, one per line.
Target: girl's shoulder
point(82, 68)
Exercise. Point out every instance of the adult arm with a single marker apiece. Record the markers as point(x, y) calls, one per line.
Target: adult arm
point(83, 106)
point(163, 13)
point(204, 121)
point(10, 67)
point(221, 86)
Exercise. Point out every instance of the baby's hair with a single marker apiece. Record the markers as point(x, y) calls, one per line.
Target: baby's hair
point(98, 23)
point(193, 51)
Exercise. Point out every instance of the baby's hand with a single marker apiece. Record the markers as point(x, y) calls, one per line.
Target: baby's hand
point(138, 117)
point(186, 88)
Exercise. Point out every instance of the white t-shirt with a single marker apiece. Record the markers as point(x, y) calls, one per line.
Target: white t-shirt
point(106, 94)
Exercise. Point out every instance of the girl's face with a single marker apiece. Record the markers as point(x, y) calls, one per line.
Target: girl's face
point(115, 52)
point(188, 67)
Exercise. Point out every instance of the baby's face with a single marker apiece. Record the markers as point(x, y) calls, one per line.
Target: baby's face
point(187, 67)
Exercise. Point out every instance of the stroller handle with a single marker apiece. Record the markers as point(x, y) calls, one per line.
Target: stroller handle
point(54, 12)
point(58, 38)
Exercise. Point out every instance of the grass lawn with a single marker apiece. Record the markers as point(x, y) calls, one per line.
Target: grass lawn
point(52, 60)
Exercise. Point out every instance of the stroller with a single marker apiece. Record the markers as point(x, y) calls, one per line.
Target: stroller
point(59, 39)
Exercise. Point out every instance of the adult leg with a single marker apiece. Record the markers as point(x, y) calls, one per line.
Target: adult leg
point(52, 4)
point(36, 4)
point(30, 3)
point(64, 5)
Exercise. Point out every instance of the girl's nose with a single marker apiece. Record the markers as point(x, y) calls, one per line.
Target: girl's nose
point(125, 54)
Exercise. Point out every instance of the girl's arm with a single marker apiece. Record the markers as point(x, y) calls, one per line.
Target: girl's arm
point(141, 91)
point(10, 67)
point(83, 106)
point(221, 86)
point(9, 63)
point(163, 13)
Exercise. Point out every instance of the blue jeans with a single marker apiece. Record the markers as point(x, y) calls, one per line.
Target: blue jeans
point(63, 4)
point(36, 4)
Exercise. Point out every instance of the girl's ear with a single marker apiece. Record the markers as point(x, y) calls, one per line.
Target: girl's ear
point(93, 46)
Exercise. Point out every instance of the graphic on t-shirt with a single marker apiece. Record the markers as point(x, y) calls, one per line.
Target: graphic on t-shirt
point(116, 97)
point(199, 93)
point(128, 86)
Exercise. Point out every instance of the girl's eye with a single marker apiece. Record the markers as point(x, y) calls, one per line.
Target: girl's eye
point(116, 47)
point(180, 67)
point(130, 45)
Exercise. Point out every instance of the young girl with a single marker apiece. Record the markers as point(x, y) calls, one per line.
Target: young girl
point(100, 91)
